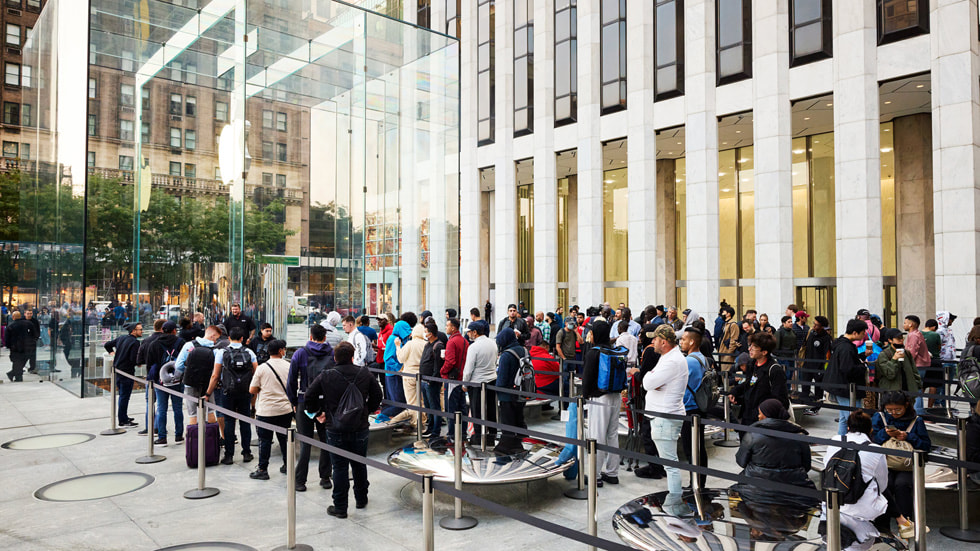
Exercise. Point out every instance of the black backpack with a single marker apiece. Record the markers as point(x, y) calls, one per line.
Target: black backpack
point(843, 472)
point(198, 368)
point(968, 377)
point(316, 365)
point(349, 412)
point(236, 370)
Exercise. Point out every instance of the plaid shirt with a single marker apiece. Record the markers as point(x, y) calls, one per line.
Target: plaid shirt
point(545, 330)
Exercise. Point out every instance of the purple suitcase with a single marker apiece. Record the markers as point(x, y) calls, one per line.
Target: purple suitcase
point(211, 450)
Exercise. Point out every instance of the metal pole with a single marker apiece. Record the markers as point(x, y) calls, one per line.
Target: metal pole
point(833, 519)
point(579, 491)
point(854, 395)
point(428, 513)
point(726, 442)
point(201, 491)
point(919, 497)
point(483, 412)
point(458, 521)
point(593, 492)
point(113, 429)
point(150, 457)
point(948, 390)
point(963, 533)
point(291, 495)
point(696, 457)
point(561, 390)
point(418, 414)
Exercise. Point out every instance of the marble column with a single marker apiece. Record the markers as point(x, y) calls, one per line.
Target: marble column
point(915, 239)
point(857, 170)
point(956, 157)
point(772, 132)
point(545, 182)
point(590, 245)
point(641, 158)
point(505, 211)
point(701, 132)
point(666, 225)
point(473, 282)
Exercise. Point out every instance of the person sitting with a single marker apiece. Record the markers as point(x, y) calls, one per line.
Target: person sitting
point(898, 421)
point(859, 517)
point(774, 458)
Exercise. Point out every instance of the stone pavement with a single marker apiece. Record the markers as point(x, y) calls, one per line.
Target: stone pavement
point(254, 512)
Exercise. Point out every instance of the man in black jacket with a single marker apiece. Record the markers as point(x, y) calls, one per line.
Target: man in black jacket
point(323, 398)
point(124, 348)
point(764, 378)
point(141, 353)
point(18, 339)
point(845, 367)
point(32, 342)
point(165, 347)
point(515, 322)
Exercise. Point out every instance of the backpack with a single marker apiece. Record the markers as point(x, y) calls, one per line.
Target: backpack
point(706, 396)
point(524, 380)
point(350, 409)
point(968, 376)
point(236, 371)
point(843, 473)
point(612, 369)
point(316, 365)
point(167, 373)
point(198, 368)
point(261, 351)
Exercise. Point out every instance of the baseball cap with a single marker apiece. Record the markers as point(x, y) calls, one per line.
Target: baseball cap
point(168, 327)
point(863, 312)
point(665, 332)
point(892, 333)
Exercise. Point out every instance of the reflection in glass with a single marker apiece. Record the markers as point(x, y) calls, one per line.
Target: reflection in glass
point(734, 31)
point(899, 19)
point(486, 52)
point(566, 61)
point(525, 237)
point(810, 30)
point(613, 51)
point(523, 68)
point(615, 236)
point(669, 48)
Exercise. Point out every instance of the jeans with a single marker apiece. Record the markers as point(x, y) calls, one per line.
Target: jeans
point(305, 426)
point(395, 393)
point(160, 421)
point(124, 386)
point(265, 437)
point(920, 406)
point(432, 396)
point(357, 443)
point(790, 367)
point(844, 414)
point(241, 404)
point(455, 401)
point(665, 433)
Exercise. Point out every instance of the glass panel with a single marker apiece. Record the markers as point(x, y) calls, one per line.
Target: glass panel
point(525, 231)
point(615, 218)
point(666, 38)
point(746, 207)
point(728, 215)
point(806, 10)
point(730, 61)
point(808, 39)
point(801, 209)
point(888, 220)
point(822, 206)
point(680, 218)
point(667, 79)
point(729, 22)
point(898, 15)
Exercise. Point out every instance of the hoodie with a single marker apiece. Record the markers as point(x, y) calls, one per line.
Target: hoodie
point(507, 364)
point(401, 331)
point(410, 354)
point(590, 364)
point(948, 350)
point(296, 383)
point(164, 346)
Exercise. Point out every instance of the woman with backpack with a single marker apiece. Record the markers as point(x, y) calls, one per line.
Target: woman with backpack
point(857, 516)
point(898, 427)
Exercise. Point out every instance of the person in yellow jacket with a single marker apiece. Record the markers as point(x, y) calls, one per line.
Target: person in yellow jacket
point(409, 355)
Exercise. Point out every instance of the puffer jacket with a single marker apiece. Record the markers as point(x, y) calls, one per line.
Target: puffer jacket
point(410, 354)
point(777, 459)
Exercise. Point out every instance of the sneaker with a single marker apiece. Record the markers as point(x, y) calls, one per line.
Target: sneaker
point(143, 432)
point(247, 457)
point(381, 418)
point(179, 438)
point(130, 424)
point(259, 474)
point(227, 459)
point(810, 412)
point(360, 503)
point(160, 442)
point(300, 486)
point(609, 479)
point(907, 531)
point(650, 472)
point(334, 512)
point(427, 433)
point(325, 483)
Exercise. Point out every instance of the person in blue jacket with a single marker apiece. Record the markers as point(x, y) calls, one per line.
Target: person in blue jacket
point(394, 390)
point(898, 420)
point(511, 406)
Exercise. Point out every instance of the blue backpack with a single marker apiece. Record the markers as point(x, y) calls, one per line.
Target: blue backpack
point(612, 369)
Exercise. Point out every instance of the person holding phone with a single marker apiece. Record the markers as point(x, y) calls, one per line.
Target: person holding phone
point(894, 370)
point(898, 421)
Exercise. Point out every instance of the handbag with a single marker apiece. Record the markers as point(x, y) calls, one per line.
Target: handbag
point(896, 463)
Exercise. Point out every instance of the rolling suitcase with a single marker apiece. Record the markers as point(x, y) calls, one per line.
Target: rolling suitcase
point(211, 450)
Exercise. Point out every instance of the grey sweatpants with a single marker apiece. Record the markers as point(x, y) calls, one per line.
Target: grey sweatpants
point(604, 428)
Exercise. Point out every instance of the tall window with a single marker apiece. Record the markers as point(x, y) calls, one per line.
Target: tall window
point(145, 132)
point(423, 17)
point(13, 35)
point(898, 19)
point(90, 159)
point(93, 88)
point(12, 74)
point(176, 104)
point(281, 122)
point(525, 232)
point(615, 235)
point(25, 114)
point(736, 222)
point(93, 125)
point(566, 61)
point(175, 136)
point(145, 94)
point(280, 180)
point(190, 170)
point(126, 131)
point(810, 34)
point(174, 168)
point(190, 139)
point(668, 48)
point(127, 95)
point(125, 162)
point(523, 67)
point(11, 112)
point(486, 110)
point(190, 106)
point(220, 111)
point(613, 55)
point(733, 27)
point(267, 118)
point(452, 18)
point(281, 152)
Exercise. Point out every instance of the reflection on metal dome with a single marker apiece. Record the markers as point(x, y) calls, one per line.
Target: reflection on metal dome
point(209, 546)
point(93, 486)
point(479, 467)
point(47, 441)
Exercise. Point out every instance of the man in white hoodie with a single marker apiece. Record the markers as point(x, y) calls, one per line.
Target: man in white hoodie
point(334, 335)
point(358, 340)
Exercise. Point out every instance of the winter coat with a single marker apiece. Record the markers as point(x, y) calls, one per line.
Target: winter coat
point(776, 459)
point(786, 344)
point(507, 364)
point(18, 336)
point(888, 372)
point(845, 367)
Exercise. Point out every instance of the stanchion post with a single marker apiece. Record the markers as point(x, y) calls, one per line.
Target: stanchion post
point(919, 497)
point(696, 453)
point(833, 519)
point(418, 414)
point(483, 413)
point(726, 442)
point(593, 490)
point(579, 491)
point(113, 429)
point(853, 392)
point(291, 496)
point(458, 521)
point(202, 491)
point(963, 532)
point(150, 457)
point(428, 514)
point(561, 390)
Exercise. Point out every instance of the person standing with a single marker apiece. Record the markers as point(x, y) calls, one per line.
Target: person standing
point(271, 406)
point(358, 340)
point(764, 379)
point(603, 406)
point(516, 323)
point(487, 310)
point(35, 335)
point(410, 356)
point(728, 343)
point(238, 319)
point(511, 406)
point(235, 363)
point(307, 363)
point(665, 388)
point(893, 371)
point(124, 349)
point(260, 343)
point(845, 367)
point(690, 345)
point(347, 429)
point(429, 366)
point(164, 348)
point(786, 346)
point(918, 353)
point(649, 357)
point(481, 367)
point(18, 338)
point(452, 368)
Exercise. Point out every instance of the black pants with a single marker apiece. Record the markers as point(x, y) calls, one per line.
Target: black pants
point(688, 452)
point(475, 404)
point(511, 413)
point(354, 442)
point(899, 494)
point(240, 403)
point(19, 360)
point(265, 437)
point(305, 426)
